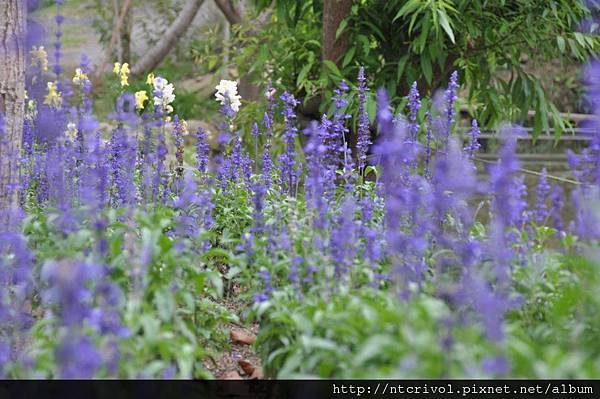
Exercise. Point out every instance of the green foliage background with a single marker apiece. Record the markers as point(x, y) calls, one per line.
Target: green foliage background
point(495, 46)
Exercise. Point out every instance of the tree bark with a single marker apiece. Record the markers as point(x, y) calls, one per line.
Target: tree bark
point(126, 39)
point(334, 12)
point(157, 54)
point(113, 39)
point(12, 100)
point(231, 13)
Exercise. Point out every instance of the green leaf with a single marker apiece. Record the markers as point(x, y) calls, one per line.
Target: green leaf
point(371, 109)
point(560, 42)
point(372, 347)
point(426, 66)
point(580, 39)
point(332, 68)
point(302, 75)
point(341, 28)
point(165, 304)
point(282, 10)
point(401, 66)
point(297, 12)
point(348, 57)
point(408, 8)
point(446, 24)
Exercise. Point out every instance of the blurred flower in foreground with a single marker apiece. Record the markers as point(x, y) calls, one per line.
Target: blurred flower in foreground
point(228, 88)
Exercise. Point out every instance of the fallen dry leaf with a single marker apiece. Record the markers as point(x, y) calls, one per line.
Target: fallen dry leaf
point(231, 375)
point(246, 366)
point(242, 337)
point(257, 374)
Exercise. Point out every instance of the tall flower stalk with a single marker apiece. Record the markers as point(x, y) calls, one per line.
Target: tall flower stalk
point(364, 135)
point(287, 160)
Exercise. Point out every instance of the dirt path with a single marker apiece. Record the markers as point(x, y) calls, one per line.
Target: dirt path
point(240, 360)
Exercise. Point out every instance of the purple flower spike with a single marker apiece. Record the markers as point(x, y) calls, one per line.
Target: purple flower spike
point(364, 135)
point(450, 97)
point(287, 159)
point(202, 150)
point(542, 191)
point(473, 140)
point(414, 104)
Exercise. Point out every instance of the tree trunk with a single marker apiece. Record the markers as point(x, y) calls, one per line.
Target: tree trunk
point(334, 12)
point(126, 39)
point(12, 99)
point(157, 54)
point(116, 34)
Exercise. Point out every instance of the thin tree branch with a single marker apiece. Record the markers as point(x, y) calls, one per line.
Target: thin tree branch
point(232, 15)
point(113, 39)
point(157, 54)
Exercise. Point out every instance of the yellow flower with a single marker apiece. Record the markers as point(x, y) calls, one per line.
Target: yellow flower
point(40, 56)
point(79, 77)
point(140, 97)
point(123, 72)
point(150, 79)
point(31, 110)
point(71, 132)
point(53, 98)
point(185, 127)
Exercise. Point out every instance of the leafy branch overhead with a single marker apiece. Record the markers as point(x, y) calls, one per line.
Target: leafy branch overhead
point(495, 45)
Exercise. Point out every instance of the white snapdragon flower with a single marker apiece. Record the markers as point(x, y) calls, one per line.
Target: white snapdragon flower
point(164, 94)
point(229, 88)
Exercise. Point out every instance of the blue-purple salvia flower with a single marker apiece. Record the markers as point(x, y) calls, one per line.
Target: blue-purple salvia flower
point(178, 132)
point(363, 141)
point(490, 305)
point(557, 199)
point(202, 150)
point(427, 166)
point(287, 160)
point(343, 239)
point(474, 145)
point(266, 278)
point(586, 203)
point(77, 358)
point(315, 184)
point(508, 202)
point(267, 162)
point(258, 202)
point(450, 97)
point(454, 184)
point(414, 104)
point(542, 191)
point(59, 19)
